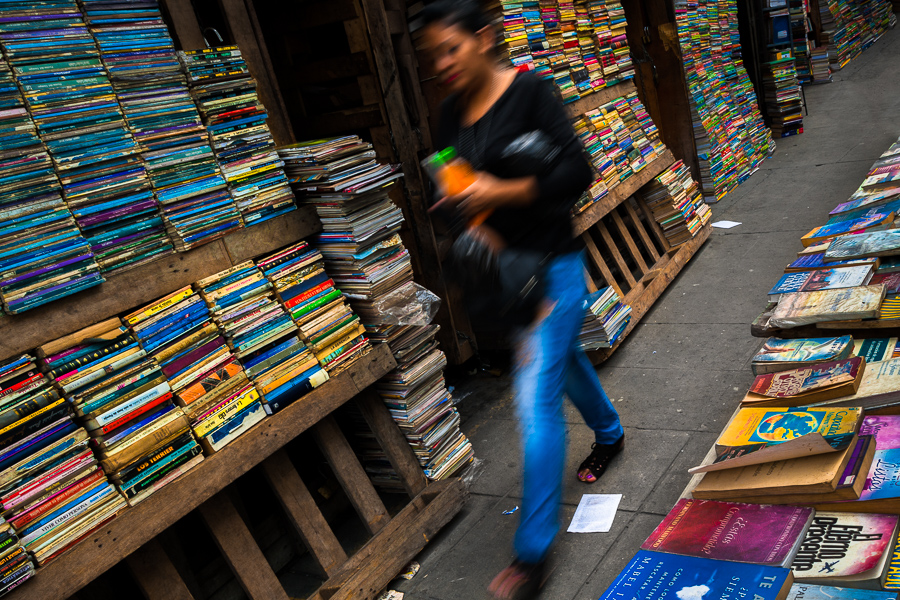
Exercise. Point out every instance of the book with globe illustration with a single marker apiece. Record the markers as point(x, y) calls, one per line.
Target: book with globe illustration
point(692, 578)
point(758, 435)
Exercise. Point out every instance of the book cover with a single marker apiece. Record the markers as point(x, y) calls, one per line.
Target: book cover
point(814, 380)
point(821, 279)
point(779, 354)
point(805, 308)
point(883, 481)
point(691, 578)
point(879, 387)
point(875, 243)
point(846, 547)
point(875, 349)
point(751, 533)
point(885, 429)
point(767, 426)
point(845, 227)
point(892, 579)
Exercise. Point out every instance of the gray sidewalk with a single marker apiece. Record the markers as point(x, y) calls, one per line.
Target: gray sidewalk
point(682, 371)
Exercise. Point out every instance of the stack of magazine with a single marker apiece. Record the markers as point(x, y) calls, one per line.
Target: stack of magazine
point(605, 318)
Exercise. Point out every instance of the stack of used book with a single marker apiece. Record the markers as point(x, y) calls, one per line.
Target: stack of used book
point(178, 332)
point(147, 78)
point(674, 198)
point(620, 139)
point(730, 136)
point(330, 329)
point(606, 317)
point(48, 474)
point(226, 94)
point(256, 328)
point(784, 105)
point(68, 92)
point(417, 397)
point(124, 400)
point(363, 251)
point(45, 255)
point(821, 71)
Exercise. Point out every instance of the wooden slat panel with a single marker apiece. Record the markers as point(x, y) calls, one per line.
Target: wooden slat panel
point(125, 291)
point(654, 226)
point(301, 509)
point(246, 33)
point(156, 575)
point(374, 566)
point(593, 213)
point(642, 231)
point(614, 251)
point(643, 297)
point(136, 526)
point(392, 441)
point(243, 556)
point(351, 475)
point(597, 259)
point(629, 241)
point(188, 34)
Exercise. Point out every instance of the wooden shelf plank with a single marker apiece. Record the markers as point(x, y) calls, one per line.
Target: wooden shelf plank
point(134, 527)
point(596, 211)
point(125, 291)
point(599, 98)
point(646, 292)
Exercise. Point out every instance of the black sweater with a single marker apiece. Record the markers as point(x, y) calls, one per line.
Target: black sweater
point(527, 105)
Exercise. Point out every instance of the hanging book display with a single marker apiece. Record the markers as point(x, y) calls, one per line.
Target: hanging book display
point(226, 94)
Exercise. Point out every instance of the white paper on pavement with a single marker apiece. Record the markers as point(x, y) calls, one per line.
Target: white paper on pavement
point(595, 513)
point(726, 224)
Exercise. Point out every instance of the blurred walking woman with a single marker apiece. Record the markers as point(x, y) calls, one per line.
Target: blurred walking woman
point(488, 107)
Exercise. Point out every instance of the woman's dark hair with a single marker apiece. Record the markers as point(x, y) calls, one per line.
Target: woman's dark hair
point(468, 14)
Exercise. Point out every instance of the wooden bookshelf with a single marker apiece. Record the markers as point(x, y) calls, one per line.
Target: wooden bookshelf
point(131, 289)
point(596, 211)
point(650, 287)
point(138, 525)
point(599, 98)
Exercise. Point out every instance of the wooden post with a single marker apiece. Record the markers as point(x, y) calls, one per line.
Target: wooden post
point(239, 549)
point(155, 573)
point(187, 29)
point(301, 509)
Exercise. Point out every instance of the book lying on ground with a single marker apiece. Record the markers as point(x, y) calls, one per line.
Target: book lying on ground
point(820, 234)
point(799, 387)
point(806, 477)
point(762, 435)
point(876, 243)
point(821, 279)
point(892, 581)
point(816, 261)
point(879, 387)
point(691, 578)
point(881, 493)
point(806, 308)
point(782, 355)
point(846, 549)
point(751, 533)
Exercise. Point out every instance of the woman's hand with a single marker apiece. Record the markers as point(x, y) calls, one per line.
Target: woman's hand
point(488, 192)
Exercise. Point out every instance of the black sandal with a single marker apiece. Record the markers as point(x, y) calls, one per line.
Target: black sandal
point(599, 459)
point(519, 581)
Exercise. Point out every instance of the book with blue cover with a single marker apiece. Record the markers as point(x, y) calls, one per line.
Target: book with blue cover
point(649, 574)
point(821, 279)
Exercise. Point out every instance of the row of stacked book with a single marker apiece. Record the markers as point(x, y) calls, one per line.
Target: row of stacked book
point(107, 163)
point(580, 44)
point(800, 497)
point(620, 139)
point(363, 252)
point(674, 199)
point(101, 419)
point(729, 133)
point(781, 89)
point(850, 26)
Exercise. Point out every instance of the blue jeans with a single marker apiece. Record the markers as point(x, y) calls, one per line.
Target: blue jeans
point(548, 364)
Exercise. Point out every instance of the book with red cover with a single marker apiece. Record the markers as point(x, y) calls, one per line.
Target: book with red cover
point(806, 385)
point(750, 533)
